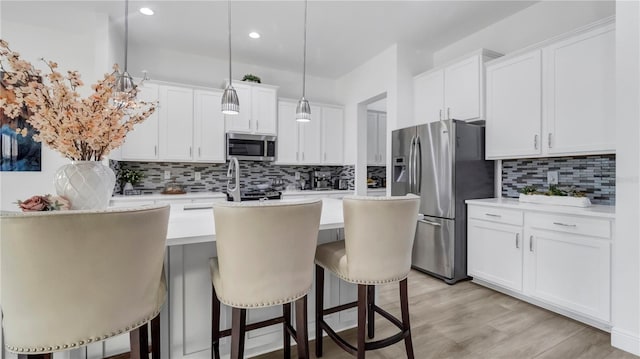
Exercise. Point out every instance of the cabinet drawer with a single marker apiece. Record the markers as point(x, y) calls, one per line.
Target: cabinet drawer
point(592, 227)
point(493, 214)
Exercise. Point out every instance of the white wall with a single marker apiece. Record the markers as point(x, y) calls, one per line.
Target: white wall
point(72, 51)
point(626, 249)
point(536, 23)
point(173, 66)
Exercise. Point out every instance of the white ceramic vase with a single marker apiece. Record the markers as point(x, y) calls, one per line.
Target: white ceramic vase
point(86, 184)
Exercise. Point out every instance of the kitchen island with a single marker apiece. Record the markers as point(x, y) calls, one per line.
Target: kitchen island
point(186, 316)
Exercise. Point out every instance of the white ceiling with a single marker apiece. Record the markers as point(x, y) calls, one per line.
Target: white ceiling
point(341, 34)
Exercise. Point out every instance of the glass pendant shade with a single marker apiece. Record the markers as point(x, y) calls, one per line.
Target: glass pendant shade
point(124, 84)
point(303, 111)
point(230, 103)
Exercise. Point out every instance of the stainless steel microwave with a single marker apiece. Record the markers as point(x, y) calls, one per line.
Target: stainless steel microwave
point(251, 147)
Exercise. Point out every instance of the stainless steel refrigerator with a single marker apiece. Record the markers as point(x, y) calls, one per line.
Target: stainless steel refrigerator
point(443, 163)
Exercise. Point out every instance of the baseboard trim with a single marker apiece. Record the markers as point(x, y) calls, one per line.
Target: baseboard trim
point(625, 340)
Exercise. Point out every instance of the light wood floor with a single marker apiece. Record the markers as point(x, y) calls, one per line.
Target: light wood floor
point(469, 321)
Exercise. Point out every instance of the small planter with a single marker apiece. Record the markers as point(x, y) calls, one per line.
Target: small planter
point(555, 200)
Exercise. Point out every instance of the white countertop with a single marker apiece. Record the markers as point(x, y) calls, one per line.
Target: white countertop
point(198, 225)
point(513, 203)
point(201, 195)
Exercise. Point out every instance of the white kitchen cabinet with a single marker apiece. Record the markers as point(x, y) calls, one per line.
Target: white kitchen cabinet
point(488, 241)
point(176, 123)
point(579, 93)
point(257, 109)
point(428, 96)
point(376, 138)
point(514, 107)
point(332, 135)
point(319, 141)
point(559, 260)
point(208, 130)
point(142, 142)
point(555, 100)
point(452, 91)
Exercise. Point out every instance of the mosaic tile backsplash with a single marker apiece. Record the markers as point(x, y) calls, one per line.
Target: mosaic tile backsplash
point(213, 176)
point(593, 175)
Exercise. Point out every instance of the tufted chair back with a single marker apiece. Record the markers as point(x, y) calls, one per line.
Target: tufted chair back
point(71, 278)
point(379, 234)
point(265, 251)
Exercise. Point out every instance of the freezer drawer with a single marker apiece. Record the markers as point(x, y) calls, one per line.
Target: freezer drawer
point(434, 246)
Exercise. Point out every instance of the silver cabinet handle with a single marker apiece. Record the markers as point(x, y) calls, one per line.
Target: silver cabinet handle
point(297, 156)
point(448, 113)
point(435, 224)
point(190, 152)
point(155, 150)
point(531, 244)
point(257, 125)
point(550, 135)
point(493, 215)
point(199, 152)
point(325, 156)
point(517, 240)
point(303, 156)
point(564, 224)
point(535, 141)
point(440, 116)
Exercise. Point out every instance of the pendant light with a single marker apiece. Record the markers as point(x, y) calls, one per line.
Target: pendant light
point(230, 103)
point(124, 82)
point(303, 110)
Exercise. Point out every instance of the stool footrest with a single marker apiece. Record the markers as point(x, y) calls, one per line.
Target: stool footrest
point(338, 339)
point(257, 325)
point(389, 317)
point(339, 308)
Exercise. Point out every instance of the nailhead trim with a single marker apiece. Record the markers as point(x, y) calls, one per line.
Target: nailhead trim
point(267, 304)
point(367, 282)
point(81, 342)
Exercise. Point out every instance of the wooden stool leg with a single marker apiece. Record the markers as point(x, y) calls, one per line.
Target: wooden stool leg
point(215, 325)
point(286, 313)
point(302, 332)
point(371, 302)
point(362, 319)
point(238, 328)
point(404, 308)
point(139, 341)
point(155, 337)
point(319, 308)
point(35, 356)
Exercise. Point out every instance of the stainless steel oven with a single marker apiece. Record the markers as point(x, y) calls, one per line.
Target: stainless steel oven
point(251, 147)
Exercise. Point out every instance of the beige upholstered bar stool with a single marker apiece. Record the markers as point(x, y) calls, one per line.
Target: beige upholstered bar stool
point(71, 278)
point(379, 233)
point(265, 258)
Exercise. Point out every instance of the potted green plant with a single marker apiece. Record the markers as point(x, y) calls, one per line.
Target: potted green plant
point(251, 78)
point(129, 178)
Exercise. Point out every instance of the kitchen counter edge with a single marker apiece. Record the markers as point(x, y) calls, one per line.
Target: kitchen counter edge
point(602, 211)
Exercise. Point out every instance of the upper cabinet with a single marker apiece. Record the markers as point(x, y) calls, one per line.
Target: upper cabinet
point(142, 142)
point(376, 138)
point(257, 109)
point(454, 91)
point(187, 126)
point(557, 99)
point(318, 142)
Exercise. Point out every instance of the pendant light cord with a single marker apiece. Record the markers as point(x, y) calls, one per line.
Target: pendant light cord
point(304, 53)
point(229, 9)
point(126, 32)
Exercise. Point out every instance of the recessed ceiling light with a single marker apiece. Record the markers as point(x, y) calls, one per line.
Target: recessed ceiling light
point(254, 35)
point(146, 11)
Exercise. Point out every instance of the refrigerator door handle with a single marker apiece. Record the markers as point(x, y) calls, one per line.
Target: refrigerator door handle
point(410, 164)
point(418, 165)
point(435, 224)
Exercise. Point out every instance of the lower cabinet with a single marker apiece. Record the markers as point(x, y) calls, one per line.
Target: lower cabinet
point(560, 261)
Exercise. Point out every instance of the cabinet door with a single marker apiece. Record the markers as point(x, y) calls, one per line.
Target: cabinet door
point(514, 107)
point(382, 139)
point(242, 121)
point(263, 109)
point(310, 137)
point(208, 134)
point(332, 135)
point(579, 92)
point(176, 123)
point(372, 138)
point(569, 271)
point(142, 142)
point(287, 150)
point(462, 89)
point(428, 97)
point(494, 253)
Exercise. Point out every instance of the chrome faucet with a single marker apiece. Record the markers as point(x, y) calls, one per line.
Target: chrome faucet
point(233, 173)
